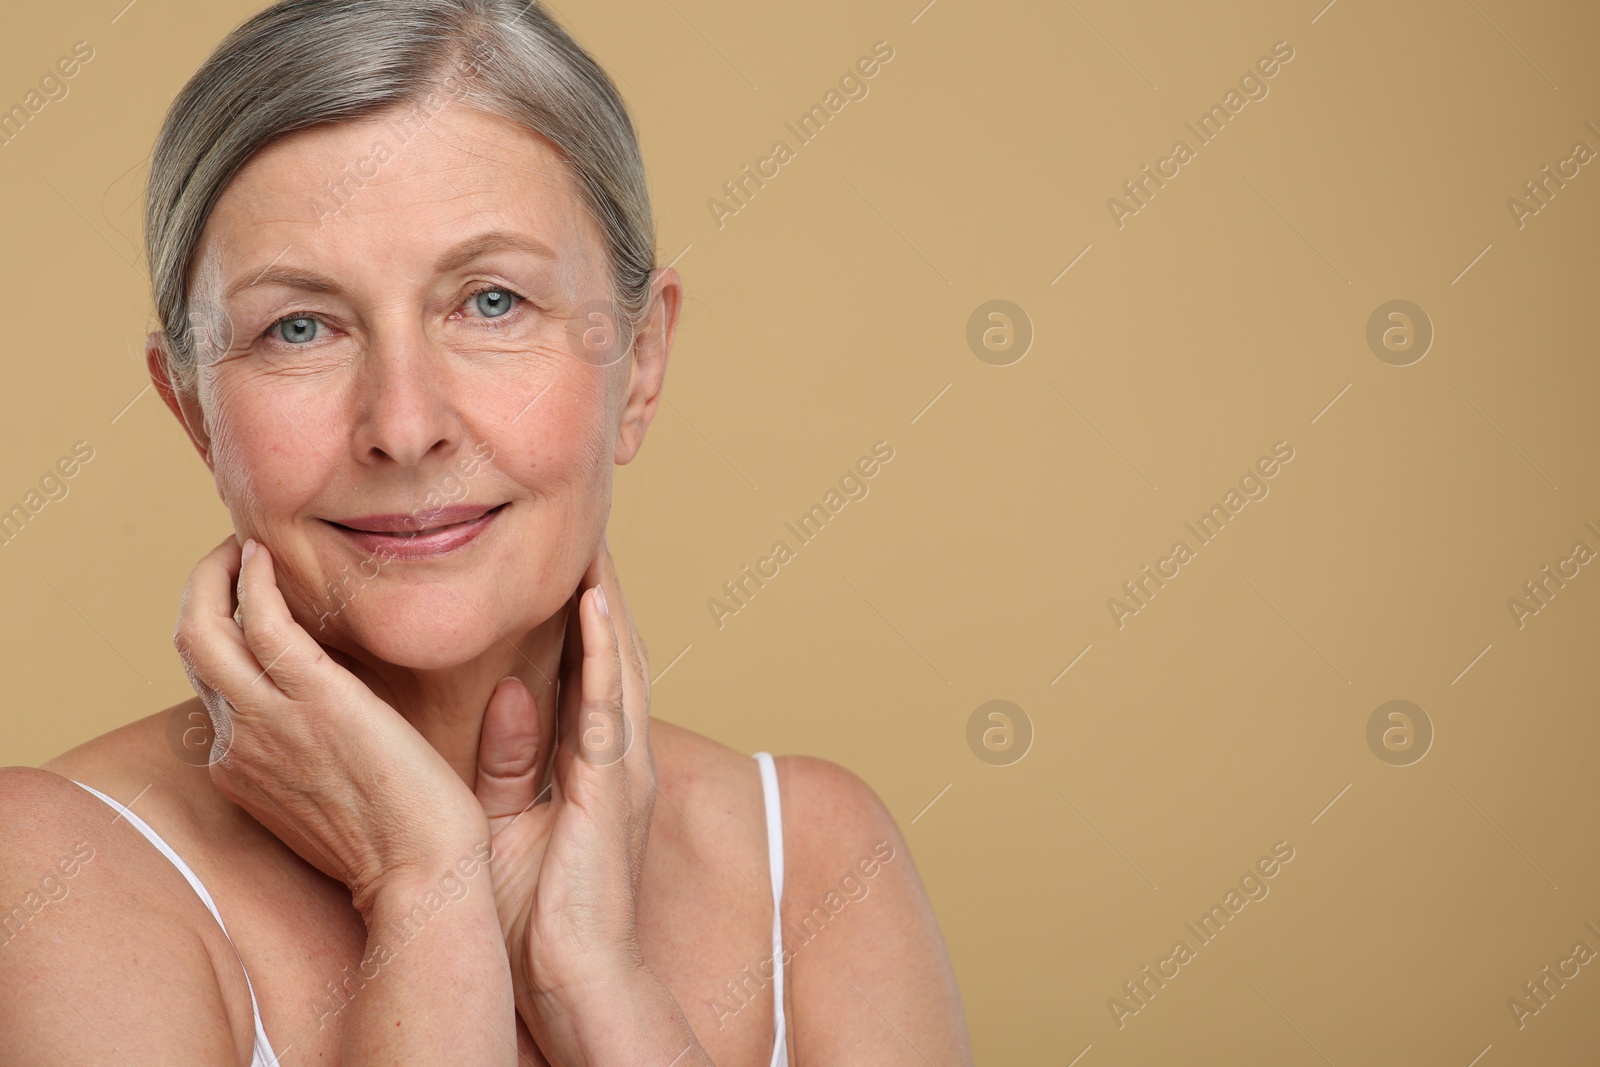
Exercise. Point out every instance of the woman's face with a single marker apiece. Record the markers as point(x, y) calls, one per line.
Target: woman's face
point(392, 320)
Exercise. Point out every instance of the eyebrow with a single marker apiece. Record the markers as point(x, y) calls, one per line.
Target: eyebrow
point(453, 259)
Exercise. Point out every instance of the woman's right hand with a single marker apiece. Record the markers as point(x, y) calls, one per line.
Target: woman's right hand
point(306, 748)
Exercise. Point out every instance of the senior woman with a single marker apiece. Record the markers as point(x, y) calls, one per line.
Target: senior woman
point(403, 259)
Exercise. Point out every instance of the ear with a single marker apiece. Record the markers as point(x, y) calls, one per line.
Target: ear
point(184, 404)
point(648, 368)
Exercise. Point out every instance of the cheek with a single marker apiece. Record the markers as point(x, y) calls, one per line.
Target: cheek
point(563, 463)
point(260, 462)
point(570, 442)
point(594, 438)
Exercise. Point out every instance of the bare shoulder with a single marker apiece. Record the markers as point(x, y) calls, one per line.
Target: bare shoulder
point(135, 752)
point(42, 812)
point(690, 760)
point(869, 970)
point(92, 927)
point(830, 797)
point(55, 831)
point(829, 813)
point(866, 965)
point(708, 808)
point(840, 844)
point(829, 810)
point(825, 806)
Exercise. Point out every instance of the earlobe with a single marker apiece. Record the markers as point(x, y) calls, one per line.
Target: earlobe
point(648, 367)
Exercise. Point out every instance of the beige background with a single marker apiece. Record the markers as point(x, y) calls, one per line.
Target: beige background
point(831, 312)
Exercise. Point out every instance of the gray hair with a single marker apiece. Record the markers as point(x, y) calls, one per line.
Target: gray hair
point(301, 63)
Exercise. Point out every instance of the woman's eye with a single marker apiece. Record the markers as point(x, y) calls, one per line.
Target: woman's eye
point(495, 302)
point(296, 331)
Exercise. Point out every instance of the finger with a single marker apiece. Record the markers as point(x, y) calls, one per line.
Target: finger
point(595, 731)
point(208, 594)
point(569, 682)
point(598, 728)
point(509, 751)
point(572, 642)
point(635, 673)
point(208, 639)
point(639, 759)
point(291, 659)
point(635, 658)
point(605, 737)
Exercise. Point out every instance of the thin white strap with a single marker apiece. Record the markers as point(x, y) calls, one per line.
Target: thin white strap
point(769, 794)
point(166, 850)
point(263, 1055)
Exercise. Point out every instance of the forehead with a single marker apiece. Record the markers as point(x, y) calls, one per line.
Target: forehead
point(392, 188)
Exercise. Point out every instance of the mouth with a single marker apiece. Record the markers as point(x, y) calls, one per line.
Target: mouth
point(420, 535)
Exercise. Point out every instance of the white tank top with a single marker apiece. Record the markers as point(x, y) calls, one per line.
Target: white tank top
point(264, 1056)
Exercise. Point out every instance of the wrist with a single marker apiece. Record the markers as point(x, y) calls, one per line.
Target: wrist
point(429, 882)
point(620, 1013)
point(571, 992)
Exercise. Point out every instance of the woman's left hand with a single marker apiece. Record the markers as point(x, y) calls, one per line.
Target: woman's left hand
point(567, 870)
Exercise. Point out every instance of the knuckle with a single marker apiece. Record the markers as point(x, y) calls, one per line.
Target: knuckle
point(263, 632)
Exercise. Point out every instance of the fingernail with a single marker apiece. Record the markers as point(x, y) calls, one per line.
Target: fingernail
point(249, 550)
point(600, 598)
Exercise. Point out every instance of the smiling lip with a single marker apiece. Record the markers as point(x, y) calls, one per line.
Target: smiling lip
point(438, 532)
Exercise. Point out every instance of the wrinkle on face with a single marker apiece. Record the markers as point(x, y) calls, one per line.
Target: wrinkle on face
point(297, 432)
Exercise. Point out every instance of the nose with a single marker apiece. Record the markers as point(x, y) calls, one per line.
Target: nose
point(407, 401)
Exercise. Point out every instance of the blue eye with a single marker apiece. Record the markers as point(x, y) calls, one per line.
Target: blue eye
point(296, 331)
point(491, 302)
point(494, 302)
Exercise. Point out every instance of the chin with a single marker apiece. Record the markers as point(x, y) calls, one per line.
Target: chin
point(411, 627)
point(424, 646)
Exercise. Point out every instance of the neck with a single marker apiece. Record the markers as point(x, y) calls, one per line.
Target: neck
point(446, 705)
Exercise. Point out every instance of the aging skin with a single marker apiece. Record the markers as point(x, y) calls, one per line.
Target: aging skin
point(354, 367)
